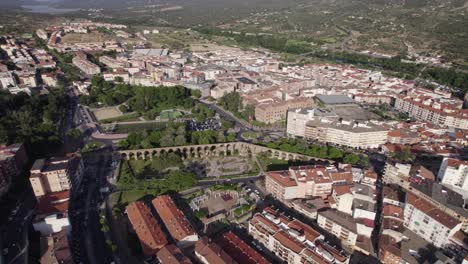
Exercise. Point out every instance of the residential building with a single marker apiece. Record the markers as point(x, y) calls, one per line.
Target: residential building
point(297, 119)
point(49, 79)
point(237, 249)
point(428, 221)
point(56, 174)
point(56, 249)
point(175, 221)
point(346, 133)
point(208, 252)
point(113, 63)
point(291, 240)
point(275, 111)
point(395, 171)
point(146, 227)
point(344, 198)
point(299, 182)
point(454, 173)
point(85, 65)
point(340, 225)
point(434, 111)
point(389, 250)
point(7, 80)
point(12, 160)
point(170, 254)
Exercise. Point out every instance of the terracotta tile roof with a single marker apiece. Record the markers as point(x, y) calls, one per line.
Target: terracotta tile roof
point(342, 189)
point(309, 233)
point(170, 254)
point(318, 174)
point(289, 242)
point(346, 176)
point(282, 177)
point(455, 162)
point(173, 218)
point(261, 221)
point(52, 203)
point(239, 250)
point(336, 254)
point(393, 211)
point(392, 224)
point(313, 257)
point(146, 227)
point(426, 207)
point(340, 219)
point(212, 253)
point(388, 244)
point(370, 174)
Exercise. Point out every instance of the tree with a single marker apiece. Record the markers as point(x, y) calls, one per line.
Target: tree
point(74, 133)
point(351, 159)
point(180, 140)
point(123, 109)
point(167, 140)
point(220, 138)
point(226, 125)
point(231, 137)
point(231, 102)
point(334, 153)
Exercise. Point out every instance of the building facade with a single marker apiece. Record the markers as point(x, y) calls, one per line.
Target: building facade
point(429, 222)
point(454, 173)
point(146, 227)
point(56, 174)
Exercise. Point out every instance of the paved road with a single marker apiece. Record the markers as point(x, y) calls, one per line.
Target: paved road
point(15, 232)
point(88, 241)
point(244, 125)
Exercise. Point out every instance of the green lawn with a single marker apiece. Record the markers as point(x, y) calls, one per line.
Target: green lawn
point(269, 164)
point(250, 135)
point(170, 114)
point(139, 127)
point(131, 196)
point(122, 118)
point(92, 146)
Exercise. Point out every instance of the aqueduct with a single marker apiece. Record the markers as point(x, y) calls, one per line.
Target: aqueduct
point(214, 150)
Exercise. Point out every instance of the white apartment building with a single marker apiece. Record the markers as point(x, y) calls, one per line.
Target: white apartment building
point(454, 172)
point(86, 66)
point(297, 119)
point(428, 110)
point(394, 172)
point(7, 80)
point(346, 133)
point(429, 222)
point(291, 240)
point(113, 63)
point(340, 225)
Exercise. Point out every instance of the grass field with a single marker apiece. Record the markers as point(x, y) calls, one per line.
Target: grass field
point(139, 127)
point(106, 113)
point(170, 114)
point(72, 38)
point(122, 118)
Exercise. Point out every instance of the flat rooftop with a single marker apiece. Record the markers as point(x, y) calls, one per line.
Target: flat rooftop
point(335, 99)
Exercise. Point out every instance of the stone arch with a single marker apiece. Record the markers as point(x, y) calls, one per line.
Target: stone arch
point(139, 155)
point(283, 155)
point(162, 152)
point(124, 155)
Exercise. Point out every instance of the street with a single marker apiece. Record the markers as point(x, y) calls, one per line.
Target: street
point(88, 243)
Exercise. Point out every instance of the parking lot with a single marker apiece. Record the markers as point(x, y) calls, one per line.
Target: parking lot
point(208, 124)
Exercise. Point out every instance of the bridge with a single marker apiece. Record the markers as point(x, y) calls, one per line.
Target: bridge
point(215, 150)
